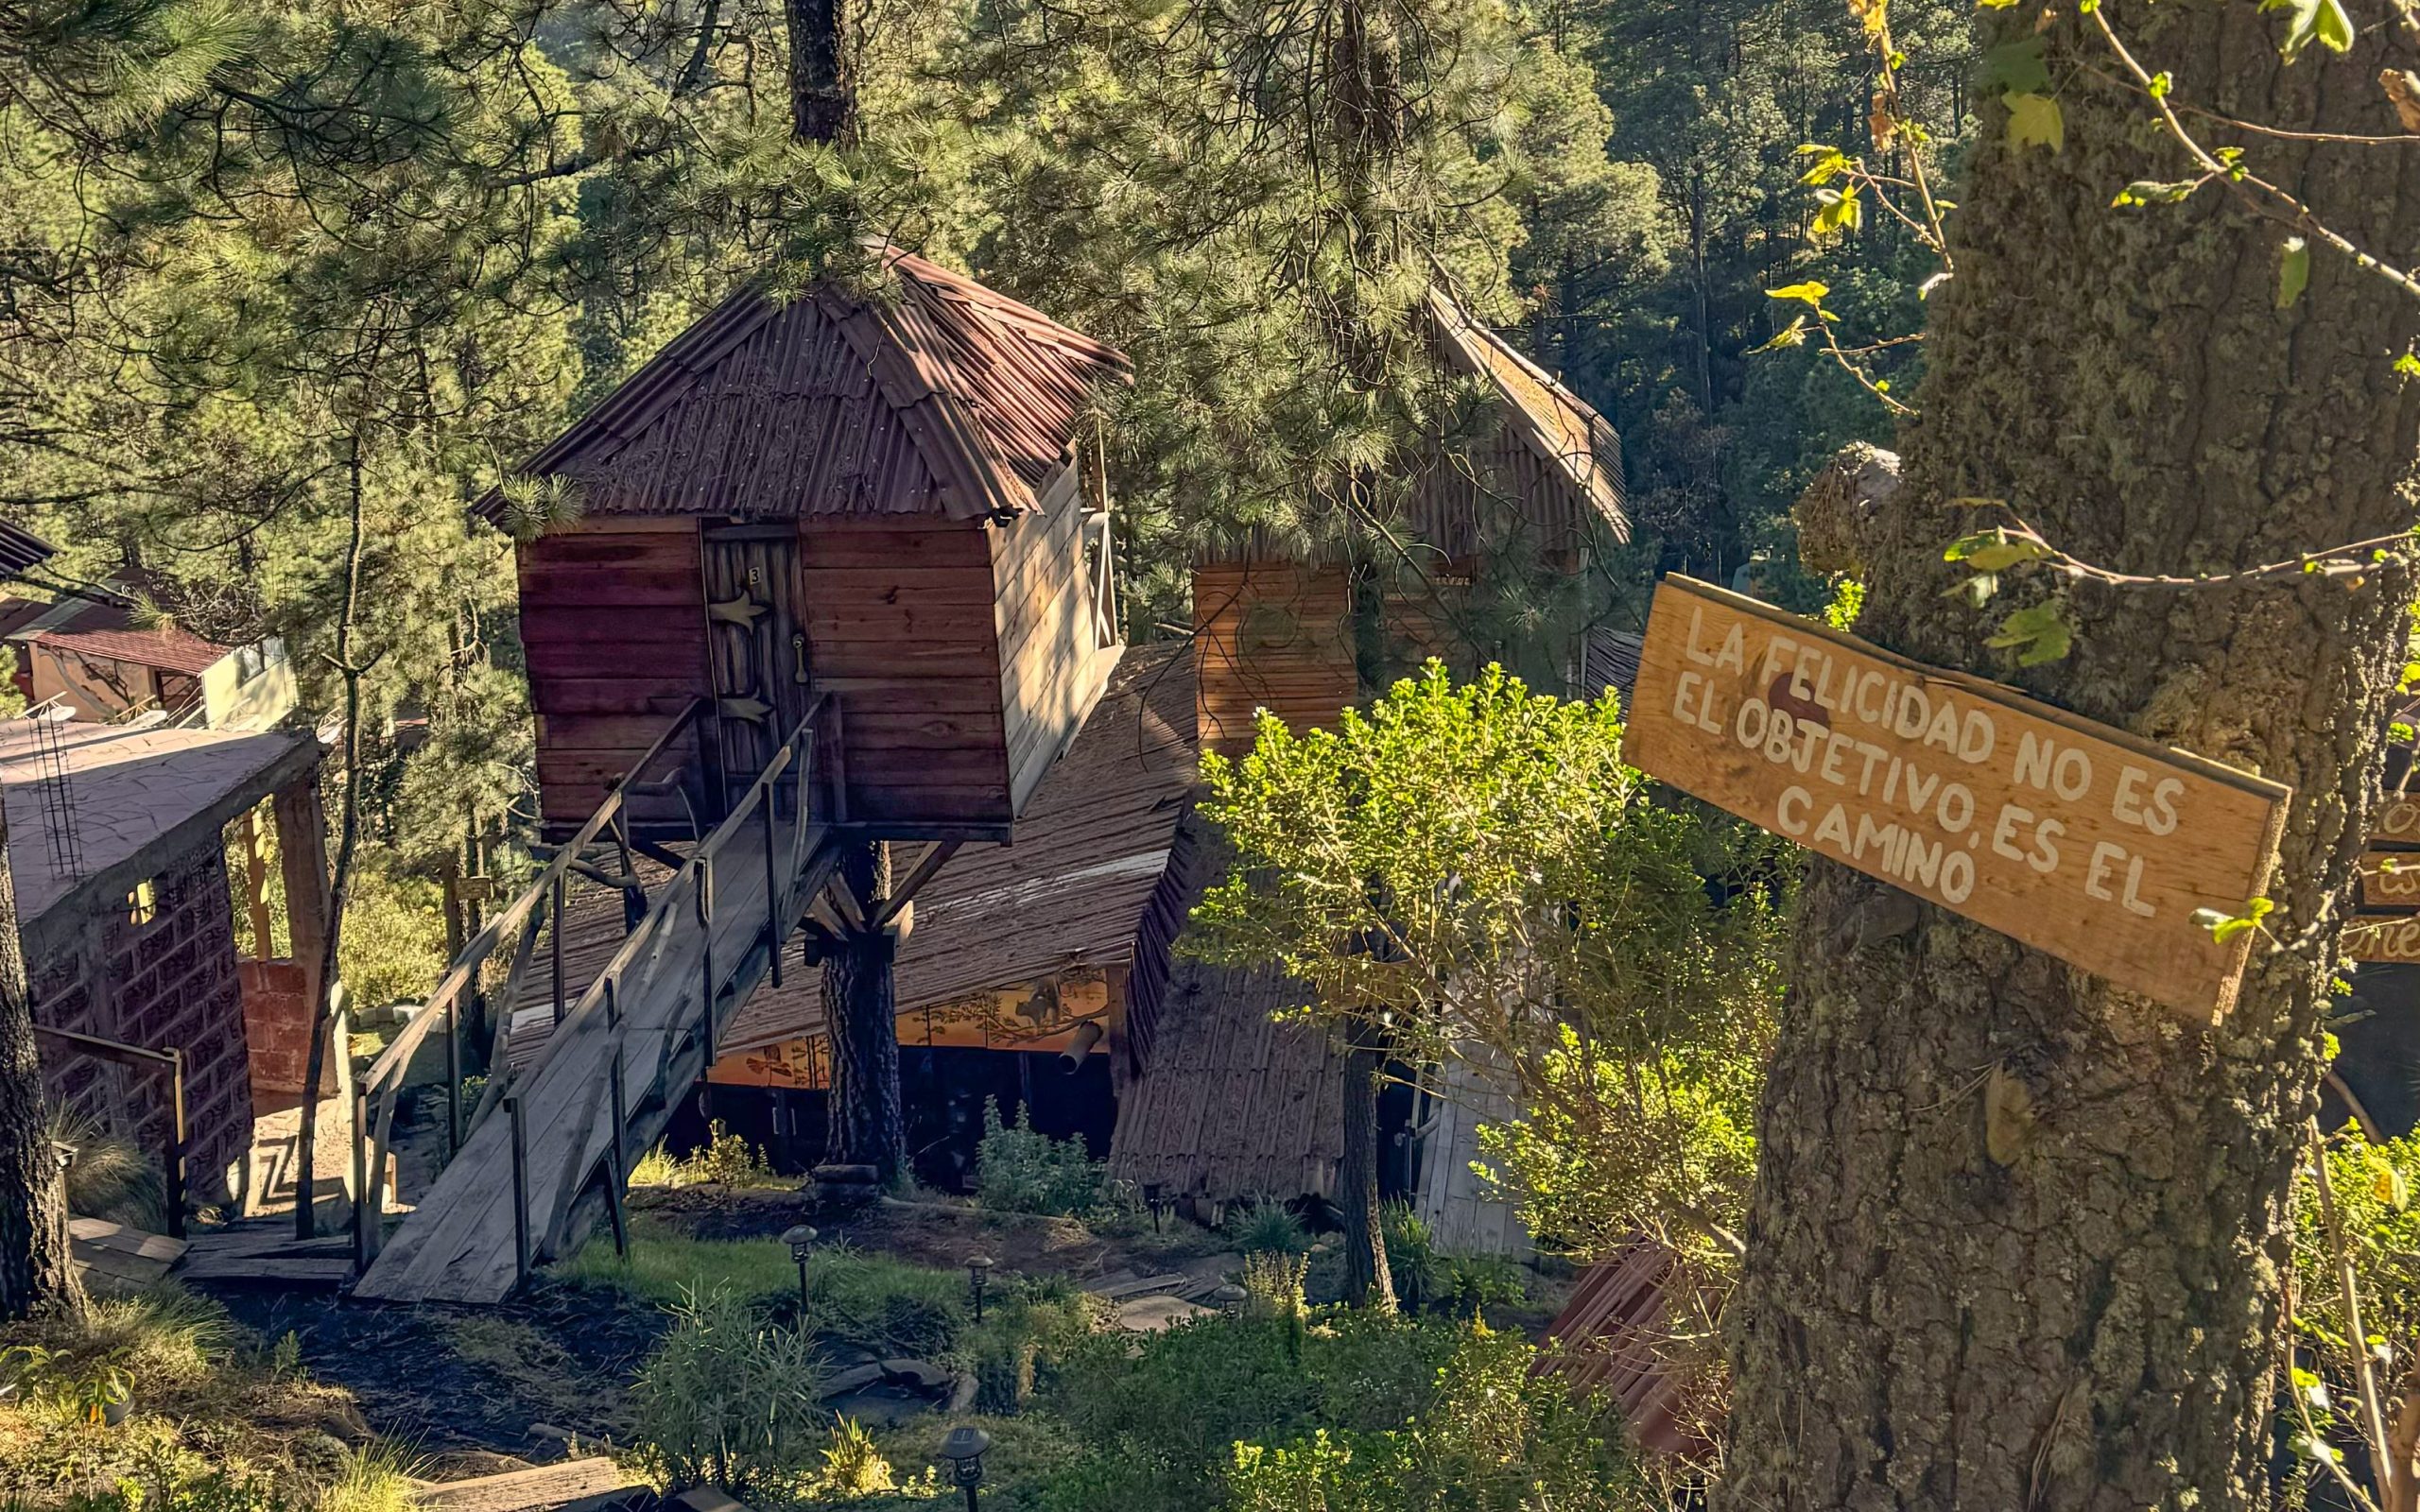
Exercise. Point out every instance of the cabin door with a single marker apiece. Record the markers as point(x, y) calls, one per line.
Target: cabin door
point(756, 646)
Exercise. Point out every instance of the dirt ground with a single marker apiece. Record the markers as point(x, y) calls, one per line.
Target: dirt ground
point(471, 1389)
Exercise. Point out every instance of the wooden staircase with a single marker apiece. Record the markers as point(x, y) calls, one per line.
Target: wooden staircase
point(551, 1146)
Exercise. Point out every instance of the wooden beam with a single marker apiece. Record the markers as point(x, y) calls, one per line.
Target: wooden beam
point(936, 856)
point(302, 860)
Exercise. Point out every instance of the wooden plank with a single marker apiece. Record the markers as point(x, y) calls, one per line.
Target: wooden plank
point(552, 1488)
point(250, 1270)
point(915, 583)
point(827, 543)
point(663, 693)
point(561, 585)
point(615, 623)
point(2077, 838)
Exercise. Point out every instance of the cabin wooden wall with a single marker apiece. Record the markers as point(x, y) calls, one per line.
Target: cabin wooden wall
point(1050, 670)
point(1275, 635)
point(900, 623)
point(613, 620)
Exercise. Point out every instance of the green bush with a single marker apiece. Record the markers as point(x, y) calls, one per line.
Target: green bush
point(1411, 1254)
point(1493, 1438)
point(1466, 1284)
point(726, 1401)
point(1019, 1169)
point(1268, 1225)
point(886, 1306)
point(666, 1266)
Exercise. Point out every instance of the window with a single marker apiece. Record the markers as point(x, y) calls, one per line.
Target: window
point(142, 906)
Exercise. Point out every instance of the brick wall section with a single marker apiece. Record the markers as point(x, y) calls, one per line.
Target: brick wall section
point(171, 982)
point(277, 1026)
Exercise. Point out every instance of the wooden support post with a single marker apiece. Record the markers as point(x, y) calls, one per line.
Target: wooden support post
point(555, 930)
point(453, 1073)
point(172, 1165)
point(365, 1205)
point(256, 887)
point(706, 972)
point(520, 1187)
point(772, 892)
point(303, 862)
point(614, 1178)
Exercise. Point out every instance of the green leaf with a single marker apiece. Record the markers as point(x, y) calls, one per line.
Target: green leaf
point(1828, 165)
point(1841, 210)
point(2153, 192)
point(2407, 364)
point(1792, 335)
point(2034, 120)
point(2037, 633)
point(2293, 270)
point(2015, 66)
point(1994, 551)
point(2308, 21)
point(1809, 292)
point(2224, 926)
point(2161, 83)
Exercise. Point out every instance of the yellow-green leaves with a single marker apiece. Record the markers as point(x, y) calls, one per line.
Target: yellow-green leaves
point(2152, 191)
point(1792, 335)
point(2034, 120)
point(1995, 550)
point(2017, 67)
point(2224, 926)
point(1840, 210)
point(1829, 163)
point(2309, 21)
point(2037, 633)
point(2407, 366)
point(2293, 270)
point(1811, 293)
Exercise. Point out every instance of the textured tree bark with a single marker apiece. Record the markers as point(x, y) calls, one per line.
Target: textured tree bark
point(2085, 1310)
point(822, 102)
point(1366, 1278)
point(36, 1273)
point(2017, 1238)
point(867, 1127)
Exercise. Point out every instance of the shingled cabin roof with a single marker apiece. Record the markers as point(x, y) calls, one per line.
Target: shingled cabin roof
point(107, 632)
point(945, 398)
point(1560, 428)
point(21, 551)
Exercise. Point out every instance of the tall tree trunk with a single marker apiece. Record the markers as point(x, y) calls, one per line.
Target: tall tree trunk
point(324, 1017)
point(2090, 1319)
point(867, 1126)
point(35, 1272)
point(823, 100)
point(1366, 1277)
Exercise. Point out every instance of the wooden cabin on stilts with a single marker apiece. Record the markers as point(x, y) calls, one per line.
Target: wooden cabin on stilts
point(824, 576)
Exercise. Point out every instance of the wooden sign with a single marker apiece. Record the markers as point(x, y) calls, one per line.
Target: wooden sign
point(2076, 838)
point(2396, 823)
point(2391, 880)
point(2388, 940)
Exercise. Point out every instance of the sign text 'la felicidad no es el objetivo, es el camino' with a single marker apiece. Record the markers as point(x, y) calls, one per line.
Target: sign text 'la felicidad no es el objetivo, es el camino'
point(2081, 840)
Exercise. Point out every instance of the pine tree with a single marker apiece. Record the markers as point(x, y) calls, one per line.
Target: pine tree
point(2018, 1236)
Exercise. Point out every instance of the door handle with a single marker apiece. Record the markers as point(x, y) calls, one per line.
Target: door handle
point(797, 655)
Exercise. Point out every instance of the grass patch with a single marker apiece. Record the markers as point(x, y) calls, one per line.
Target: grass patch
point(666, 1268)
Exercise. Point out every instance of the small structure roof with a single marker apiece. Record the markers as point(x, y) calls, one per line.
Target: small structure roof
point(1563, 429)
point(1610, 1337)
point(139, 797)
point(21, 550)
point(948, 399)
point(107, 632)
point(1612, 662)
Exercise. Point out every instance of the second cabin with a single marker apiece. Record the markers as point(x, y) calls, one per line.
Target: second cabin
point(895, 499)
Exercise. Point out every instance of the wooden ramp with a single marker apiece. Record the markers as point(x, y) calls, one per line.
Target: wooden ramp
point(111, 1257)
point(549, 1148)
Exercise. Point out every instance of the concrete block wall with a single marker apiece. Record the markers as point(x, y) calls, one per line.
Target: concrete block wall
point(169, 982)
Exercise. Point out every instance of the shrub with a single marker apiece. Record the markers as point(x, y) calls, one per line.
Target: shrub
point(725, 1400)
point(1411, 1253)
point(853, 1464)
point(1268, 1225)
point(1493, 1438)
point(372, 1480)
point(1019, 1169)
point(1027, 1330)
point(884, 1306)
point(1274, 1282)
point(728, 1160)
point(109, 1177)
point(1468, 1283)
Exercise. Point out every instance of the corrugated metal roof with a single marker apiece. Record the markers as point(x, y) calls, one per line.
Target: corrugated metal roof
point(951, 399)
point(1612, 662)
point(1564, 430)
point(21, 550)
point(1609, 1337)
point(107, 632)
